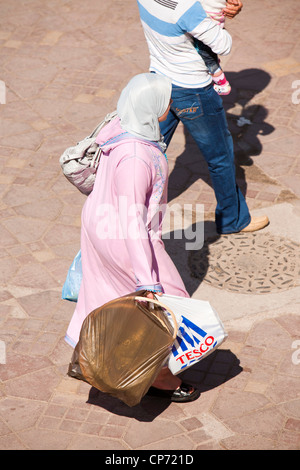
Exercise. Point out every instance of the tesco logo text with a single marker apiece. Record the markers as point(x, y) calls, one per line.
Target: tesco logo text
point(197, 352)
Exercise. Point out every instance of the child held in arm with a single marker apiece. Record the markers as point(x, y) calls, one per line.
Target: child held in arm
point(215, 10)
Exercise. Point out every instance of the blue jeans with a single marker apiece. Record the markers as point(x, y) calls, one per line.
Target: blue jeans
point(201, 111)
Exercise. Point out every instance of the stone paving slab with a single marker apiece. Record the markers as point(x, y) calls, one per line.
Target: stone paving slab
point(63, 65)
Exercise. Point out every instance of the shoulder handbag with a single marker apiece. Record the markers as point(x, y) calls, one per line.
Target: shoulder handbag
point(80, 162)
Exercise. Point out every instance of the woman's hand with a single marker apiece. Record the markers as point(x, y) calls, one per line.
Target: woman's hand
point(151, 295)
point(233, 7)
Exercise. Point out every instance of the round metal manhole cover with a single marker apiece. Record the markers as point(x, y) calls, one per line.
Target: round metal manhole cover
point(248, 263)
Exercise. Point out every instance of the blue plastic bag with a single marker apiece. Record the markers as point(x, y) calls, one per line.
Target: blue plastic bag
point(72, 283)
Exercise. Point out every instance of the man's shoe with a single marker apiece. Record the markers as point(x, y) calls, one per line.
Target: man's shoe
point(257, 223)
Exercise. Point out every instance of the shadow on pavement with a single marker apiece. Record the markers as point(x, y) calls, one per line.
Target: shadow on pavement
point(213, 371)
point(246, 122)
point(176, 243)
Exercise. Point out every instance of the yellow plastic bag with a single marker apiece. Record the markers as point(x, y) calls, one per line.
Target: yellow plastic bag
point(123, 345)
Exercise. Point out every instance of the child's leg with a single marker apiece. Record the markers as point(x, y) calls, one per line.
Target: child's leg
point(212, 62)
point(210, 58)
point(221, 85)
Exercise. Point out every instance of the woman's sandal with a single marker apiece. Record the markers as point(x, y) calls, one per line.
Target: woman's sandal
point(184, 393)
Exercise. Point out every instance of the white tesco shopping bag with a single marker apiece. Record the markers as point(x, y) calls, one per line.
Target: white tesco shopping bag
point(200, 331)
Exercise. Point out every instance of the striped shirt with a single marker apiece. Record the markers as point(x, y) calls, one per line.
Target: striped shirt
point(169, 27)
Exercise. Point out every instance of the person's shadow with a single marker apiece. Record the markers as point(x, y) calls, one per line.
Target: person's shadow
point(189, 243)
point(217, 368)
point(246, 122)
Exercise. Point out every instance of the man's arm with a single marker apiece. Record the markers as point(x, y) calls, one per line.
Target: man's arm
point(233, 7)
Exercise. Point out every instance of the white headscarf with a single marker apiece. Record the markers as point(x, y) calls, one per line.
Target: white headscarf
point(142, 102)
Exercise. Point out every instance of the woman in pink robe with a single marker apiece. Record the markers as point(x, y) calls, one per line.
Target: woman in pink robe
point(121, 246)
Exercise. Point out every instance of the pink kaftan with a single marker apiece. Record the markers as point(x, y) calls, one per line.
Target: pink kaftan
point(121, 244)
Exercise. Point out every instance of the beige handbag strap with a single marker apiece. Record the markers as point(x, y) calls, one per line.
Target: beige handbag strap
point(160, 304)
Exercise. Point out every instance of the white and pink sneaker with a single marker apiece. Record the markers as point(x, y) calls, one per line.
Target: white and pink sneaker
point(222, 89)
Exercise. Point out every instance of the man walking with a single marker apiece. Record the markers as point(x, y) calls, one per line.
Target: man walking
point(170, 27)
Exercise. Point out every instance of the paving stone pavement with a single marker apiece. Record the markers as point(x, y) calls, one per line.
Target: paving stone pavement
point(63, 64)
